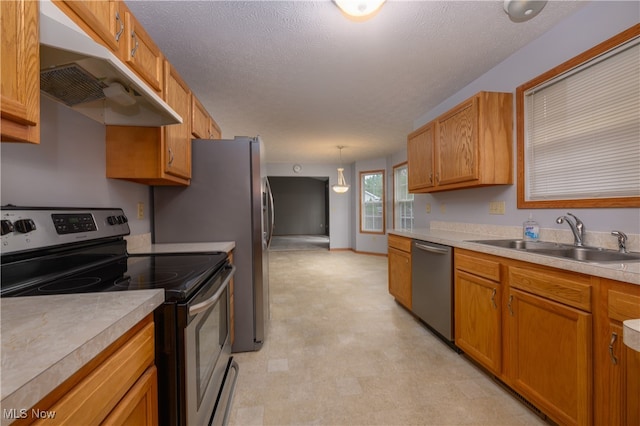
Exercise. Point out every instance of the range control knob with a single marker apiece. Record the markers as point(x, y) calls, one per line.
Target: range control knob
point(24, 225)
point(123, 219)
point(7, 226)
point(112, 220)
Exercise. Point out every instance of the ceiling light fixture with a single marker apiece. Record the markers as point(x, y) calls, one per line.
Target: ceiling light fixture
point(523, 10)
point(359, 9)
point(341, 187)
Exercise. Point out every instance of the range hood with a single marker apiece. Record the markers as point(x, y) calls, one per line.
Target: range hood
point(90, 79)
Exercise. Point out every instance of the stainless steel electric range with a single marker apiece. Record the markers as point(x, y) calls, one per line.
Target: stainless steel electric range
point(48, 251)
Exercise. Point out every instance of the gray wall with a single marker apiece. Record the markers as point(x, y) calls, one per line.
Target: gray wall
point(594, 23)
point(300, 205)
point(67, 169)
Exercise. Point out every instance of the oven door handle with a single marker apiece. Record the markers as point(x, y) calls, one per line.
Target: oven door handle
point(203, 306)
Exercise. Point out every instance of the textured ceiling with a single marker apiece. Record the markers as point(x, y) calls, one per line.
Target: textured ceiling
point(307, 79)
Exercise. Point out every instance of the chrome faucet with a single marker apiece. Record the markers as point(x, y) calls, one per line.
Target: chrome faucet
point(622, 241)
point(577, 228)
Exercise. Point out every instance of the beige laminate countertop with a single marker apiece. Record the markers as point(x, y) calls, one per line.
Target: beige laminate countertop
point(631, 334)
point(626, 272)
point(225, 246)
point(46, 339)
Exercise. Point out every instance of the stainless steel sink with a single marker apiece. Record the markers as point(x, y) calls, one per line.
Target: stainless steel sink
point(566, 251)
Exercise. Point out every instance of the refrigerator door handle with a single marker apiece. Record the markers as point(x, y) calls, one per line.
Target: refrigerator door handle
point(270, 212)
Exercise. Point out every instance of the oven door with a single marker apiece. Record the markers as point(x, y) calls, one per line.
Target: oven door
point(207, 349)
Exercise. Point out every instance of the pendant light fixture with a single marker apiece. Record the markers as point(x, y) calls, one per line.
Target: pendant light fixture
point(359, 10)
point(341, 187)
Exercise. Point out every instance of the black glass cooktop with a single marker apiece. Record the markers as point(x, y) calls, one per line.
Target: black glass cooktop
point(179, 274)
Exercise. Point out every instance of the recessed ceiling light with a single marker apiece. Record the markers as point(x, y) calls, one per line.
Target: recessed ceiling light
point(359, 9)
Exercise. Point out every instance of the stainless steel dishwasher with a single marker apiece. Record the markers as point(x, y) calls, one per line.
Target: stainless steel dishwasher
point(432, 287)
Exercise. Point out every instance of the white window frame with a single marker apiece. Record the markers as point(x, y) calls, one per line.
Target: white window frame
point(402, 199)
point(370, 218)
point(582, 147)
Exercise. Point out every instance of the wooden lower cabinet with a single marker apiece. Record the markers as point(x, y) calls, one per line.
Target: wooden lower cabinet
point(617, 366)
point(548, 347)
point(399, 258)
point(478, 325)
point(118, 387)
point(532, 327)
point(140, 405)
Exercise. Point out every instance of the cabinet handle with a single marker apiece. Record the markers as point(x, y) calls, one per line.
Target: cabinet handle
point(430, 177)
point(118, 20)
point(135, 48)
point(493, 298)
point(614, 337)
point(438, 177)
point(170, 156)
point(509, 304)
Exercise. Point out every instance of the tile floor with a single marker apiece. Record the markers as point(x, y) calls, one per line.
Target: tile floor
point(341, 351)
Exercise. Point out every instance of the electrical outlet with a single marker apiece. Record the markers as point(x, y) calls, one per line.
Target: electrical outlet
point(140, 210)
point(496, 207)
point(428, 208)
point(443, 208)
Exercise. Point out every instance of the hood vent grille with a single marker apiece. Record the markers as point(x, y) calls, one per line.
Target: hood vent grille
point(71, 84)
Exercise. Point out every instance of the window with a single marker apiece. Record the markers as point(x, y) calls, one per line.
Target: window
point(579, 130)
point(372, 202)
point(402, 200)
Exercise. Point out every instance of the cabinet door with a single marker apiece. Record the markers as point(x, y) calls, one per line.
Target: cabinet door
point(139, 407)
point(478, 328)
point(199, 119)
point(457, 144)
point(177, 137)
point(400, 276)
point(420, 158)
point(142, 54)
point(549, 351)
point(214, 129)
point(20, 69)
point(617, 381)
point(100, 18)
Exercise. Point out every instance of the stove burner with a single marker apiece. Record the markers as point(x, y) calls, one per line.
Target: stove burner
point(146, 279)
point(69, 284)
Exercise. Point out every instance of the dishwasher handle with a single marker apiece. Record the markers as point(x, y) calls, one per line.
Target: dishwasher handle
point(431, 249)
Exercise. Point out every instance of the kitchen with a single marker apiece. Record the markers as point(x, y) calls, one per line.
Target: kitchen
point(71, 165)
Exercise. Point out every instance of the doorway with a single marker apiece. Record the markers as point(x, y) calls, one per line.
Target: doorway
point(301, 206)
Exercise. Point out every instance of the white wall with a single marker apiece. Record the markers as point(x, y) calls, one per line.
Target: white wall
point(594, 23)
point(340, 208)
point(67, 169)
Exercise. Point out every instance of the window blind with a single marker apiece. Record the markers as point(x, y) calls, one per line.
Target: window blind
point(582, 130)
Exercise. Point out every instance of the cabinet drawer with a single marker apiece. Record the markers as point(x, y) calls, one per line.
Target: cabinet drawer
point(97, 394)
point(479, 266)
point(400, 243)
point(623, 306)
point(569, 289)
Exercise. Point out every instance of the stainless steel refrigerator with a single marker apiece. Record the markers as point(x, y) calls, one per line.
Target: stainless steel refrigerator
point(229, 199)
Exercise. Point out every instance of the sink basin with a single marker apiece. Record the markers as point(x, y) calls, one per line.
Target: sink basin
point(566, 251)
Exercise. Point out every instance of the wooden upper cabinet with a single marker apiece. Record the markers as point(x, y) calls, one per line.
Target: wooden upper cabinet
point(420, 158)
point(142, 54)
point(457, 148)
point(200, 119)
point(214, 129)
point(177, 160)
point(471, 146)
point(20, 68)
point(103, 20)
